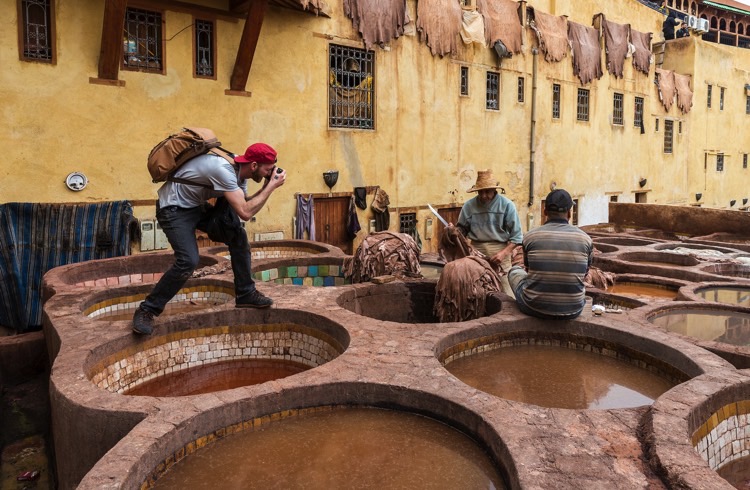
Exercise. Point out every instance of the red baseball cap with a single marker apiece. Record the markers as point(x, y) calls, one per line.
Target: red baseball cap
point(258, 153)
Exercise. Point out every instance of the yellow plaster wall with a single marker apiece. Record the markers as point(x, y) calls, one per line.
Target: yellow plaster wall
point(428, 145)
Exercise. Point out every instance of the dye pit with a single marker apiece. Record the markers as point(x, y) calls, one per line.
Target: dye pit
point(389, 352)
point(341, 448)
point(642, 290)
point(728, 295)
point(731, 328)
point(558, 377)
point(737, 473)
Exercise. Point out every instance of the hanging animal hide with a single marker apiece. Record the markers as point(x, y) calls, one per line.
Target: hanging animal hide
point(378, 21)
point(461, 292)
point(616, 43)
point(552, 35)
point(665, 85)
point(439, 24)
point(684, 94)
point(587, 55)
point(382, 253)
point(642, 56)
point(501, 23)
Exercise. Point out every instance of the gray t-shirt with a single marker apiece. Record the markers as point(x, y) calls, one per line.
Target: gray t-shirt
point(204, 169)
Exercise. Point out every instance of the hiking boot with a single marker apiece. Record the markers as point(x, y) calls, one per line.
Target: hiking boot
point(255, 299)
point(143, 322)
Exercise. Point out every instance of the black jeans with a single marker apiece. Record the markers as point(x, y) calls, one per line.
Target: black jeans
point(179, 224)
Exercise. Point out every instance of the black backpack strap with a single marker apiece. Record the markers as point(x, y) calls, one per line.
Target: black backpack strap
point(188, 182)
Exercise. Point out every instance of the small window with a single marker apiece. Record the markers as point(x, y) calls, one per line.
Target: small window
point(613, 198)
point(351, 94)
point(744, 160)
point(708, 96)
point(493, 91)
point(720, 162)
point(668, 135)
point(521, 89)
point(205, 41)
point(407, 223)
point(721, 99)
point(679, 127)
point(656, 125)
point(617, 110)
point(555, 101)
point(747, 104)
point(640, 197)
point(638, 113)
point(582, 111)
point(574, 213)
point(465, 80)
point(36, 29)
point(142, 41)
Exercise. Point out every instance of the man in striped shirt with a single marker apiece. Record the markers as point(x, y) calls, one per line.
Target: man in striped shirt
point(557, 256)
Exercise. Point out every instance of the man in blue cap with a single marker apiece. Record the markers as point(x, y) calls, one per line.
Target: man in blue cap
point(557, 256)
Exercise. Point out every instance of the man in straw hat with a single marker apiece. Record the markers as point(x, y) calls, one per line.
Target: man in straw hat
point(491, 222)
point(557, 256)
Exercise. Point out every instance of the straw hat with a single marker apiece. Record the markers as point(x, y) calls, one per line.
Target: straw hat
point(485, 180)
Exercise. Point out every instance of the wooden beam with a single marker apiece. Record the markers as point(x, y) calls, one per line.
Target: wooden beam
point(111, 48)
point(248, 43)
point(188, 8)
point(239, 5)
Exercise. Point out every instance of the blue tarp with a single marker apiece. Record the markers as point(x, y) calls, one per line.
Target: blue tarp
point(36, 237)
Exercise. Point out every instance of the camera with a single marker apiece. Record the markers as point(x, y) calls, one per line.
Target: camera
point(279, 170)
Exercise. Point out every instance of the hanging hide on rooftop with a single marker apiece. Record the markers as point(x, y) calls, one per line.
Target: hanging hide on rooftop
point(616, 45)
point(666, 87)
point(382, 253)
point(501, 23)
point(552, 35)
point(684, 94)
point(642, 55)
point(439, 24)
point(587, 56)
point(378, 21)
point(461, 292)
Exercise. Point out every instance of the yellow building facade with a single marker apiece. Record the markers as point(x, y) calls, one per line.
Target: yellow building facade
point(427, 140)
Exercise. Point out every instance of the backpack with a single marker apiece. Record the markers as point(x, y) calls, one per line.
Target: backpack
point(176, 149)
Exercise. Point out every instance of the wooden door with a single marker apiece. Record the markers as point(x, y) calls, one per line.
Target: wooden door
point(330, 221)
point(450, 215)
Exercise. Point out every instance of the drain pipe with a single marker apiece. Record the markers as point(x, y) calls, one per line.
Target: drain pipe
point(532, 142)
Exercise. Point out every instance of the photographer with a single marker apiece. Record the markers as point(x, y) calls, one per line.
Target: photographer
point(182, 208)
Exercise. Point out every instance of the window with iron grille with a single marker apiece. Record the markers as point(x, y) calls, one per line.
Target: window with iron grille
point(464, 80)
point(555, 101)
point(493, 91)
point(618, 117)
point(720, 162)
point(638, 113)
point(351, 91)
point(721, 99)
point(582, 111)
point(143, 44)
point(708, 96)
point(613, 198)
point(656, 125)
point(574, 213)
point(744, 160)
point(205, 42)
point(668, 135)
point(408, 223)
point(521, 89)
point(679, 127)
point(747, 104)
point(37, 31)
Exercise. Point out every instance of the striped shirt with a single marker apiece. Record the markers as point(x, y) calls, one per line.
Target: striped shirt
point(557, 257)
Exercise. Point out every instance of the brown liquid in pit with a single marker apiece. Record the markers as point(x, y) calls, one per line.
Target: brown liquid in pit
point(558, 377)
point(720, 326)
point(171, 309)
point(737, 473)
point(732, 296)
point(640, 289)
point(218, 376)
point(348, 448)
point(654, 262)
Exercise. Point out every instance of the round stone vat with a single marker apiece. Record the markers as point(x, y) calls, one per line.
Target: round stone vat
point(714, 323)
point(317, 271)
point(659, 235)
point(624, 241)
point(117, 271)
point(431, 270)
point(645, 288)
point(408, 301)
point(593, 368)
point(604, 248)
point(706, 251)
point(609, 228)
point(659, 258)
point(728, 270)
point(200, 351)
point(699, 433)
point(120, 303)
point(335, 447)
point(726, 294)
point(281, 249)
point(614, 303)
